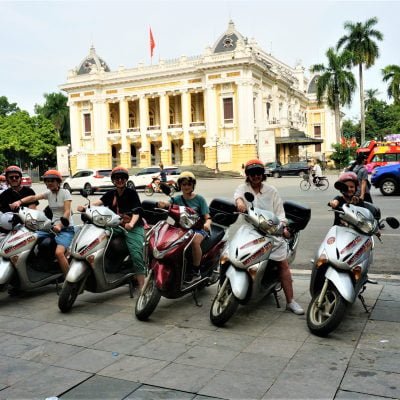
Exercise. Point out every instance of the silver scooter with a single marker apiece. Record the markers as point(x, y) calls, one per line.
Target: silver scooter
point(340, 269)
point(100, 260)
point(27, 262)
point(247, 272)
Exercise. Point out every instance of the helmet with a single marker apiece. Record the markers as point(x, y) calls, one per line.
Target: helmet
point(186, 175)
point(254, 165)
point(2, 178)
point(52, 174)
point(13, 168)
point(348, 176)
point(120, 170)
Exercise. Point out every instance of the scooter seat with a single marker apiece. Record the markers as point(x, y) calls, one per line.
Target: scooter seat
point(216, 235)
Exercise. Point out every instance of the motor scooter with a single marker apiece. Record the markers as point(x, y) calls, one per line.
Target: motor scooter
point(247, 272)
point(100, 260)
point(27, 262)
point(340, 268)
point(168, 254)
point(154, 186)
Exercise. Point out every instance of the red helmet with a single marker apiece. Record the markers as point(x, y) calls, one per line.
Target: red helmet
point(13, 168)
point(52, 174)
point(254, 165)
point(120, 171)
point(2, 178)
point(348, 176)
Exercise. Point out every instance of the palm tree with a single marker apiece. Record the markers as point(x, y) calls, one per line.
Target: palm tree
point(370, 97)
point(391, 74)
point(335, 83)
point(365, 51)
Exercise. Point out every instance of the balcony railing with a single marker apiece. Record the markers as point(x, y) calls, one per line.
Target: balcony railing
point(134, 129)
point(175, 126)
point(197, 123)
point(153, 127)
point(114, 131)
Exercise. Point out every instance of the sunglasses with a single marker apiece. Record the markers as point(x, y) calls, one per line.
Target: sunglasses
point(186, 184)
point(119, 178)
point(14, 177)
point(256, 173)
point(49, 180)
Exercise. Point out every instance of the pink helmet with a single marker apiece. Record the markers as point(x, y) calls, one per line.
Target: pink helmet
point(348, 176)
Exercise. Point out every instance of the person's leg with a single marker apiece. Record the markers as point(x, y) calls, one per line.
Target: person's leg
point(63, 240)
point(61, 259)
point(134, 241)
point(196, 250)
point(287, 287)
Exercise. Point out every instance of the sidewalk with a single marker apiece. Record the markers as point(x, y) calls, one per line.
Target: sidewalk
point(100, 351)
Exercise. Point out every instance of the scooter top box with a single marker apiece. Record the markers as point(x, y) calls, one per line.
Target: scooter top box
point(298, 214)
point(222, 211)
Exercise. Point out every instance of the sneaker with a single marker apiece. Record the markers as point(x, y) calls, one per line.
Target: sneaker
point(192, 276)
point(294, 308)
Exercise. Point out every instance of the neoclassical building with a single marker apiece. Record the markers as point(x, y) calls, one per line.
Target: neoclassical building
point(232, 103)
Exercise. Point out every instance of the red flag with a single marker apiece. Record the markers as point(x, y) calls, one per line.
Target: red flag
point(152, 43)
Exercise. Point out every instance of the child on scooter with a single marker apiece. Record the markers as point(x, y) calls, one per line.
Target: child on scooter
point(187, 182)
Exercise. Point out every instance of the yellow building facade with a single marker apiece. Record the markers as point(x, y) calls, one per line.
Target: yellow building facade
point(230, 104)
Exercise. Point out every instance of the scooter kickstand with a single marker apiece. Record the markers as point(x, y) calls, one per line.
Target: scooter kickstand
point(366, 308)
point(276, 297)
point(131, 289)
point(196, 301)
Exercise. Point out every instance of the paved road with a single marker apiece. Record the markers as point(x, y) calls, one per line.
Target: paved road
point(385, 261)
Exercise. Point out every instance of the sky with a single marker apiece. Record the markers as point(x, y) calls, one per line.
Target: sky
point(42, 40)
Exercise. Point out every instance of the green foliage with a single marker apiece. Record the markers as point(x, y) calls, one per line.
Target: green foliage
point(7, 108)
point(56, 110)
point(391, 74)
point(351, 129)
point(27, 140)
point(343, 154)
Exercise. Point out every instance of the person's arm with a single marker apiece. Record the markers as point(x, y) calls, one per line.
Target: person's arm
point(238, 196)
point(67, 214)
point(207, 224)
point(93, 203)
point(26, 200)
point(363, 189)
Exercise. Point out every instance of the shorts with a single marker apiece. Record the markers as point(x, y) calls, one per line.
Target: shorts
point(63, 238)
point(201, 232)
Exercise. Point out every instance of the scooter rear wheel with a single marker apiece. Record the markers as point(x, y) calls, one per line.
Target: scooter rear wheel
point(148, 191)
point(147, 300)
point(68, 295)
point(224, 304)
point(321, 321)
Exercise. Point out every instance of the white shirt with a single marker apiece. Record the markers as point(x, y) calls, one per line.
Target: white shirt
point(56, 203)
point(316, 170)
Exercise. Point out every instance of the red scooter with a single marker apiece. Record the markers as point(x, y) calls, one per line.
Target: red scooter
point(168, 253)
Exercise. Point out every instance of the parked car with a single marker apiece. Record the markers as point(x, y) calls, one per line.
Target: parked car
point(90, 180)
point(270, 166)
point(143, 177)
point(290, 169)
point(387, 179)
point(26, 180)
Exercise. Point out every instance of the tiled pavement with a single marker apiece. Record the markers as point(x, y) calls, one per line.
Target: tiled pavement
point(100, 351)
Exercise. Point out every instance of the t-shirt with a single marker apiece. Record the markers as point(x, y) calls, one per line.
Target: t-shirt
point(362, 174)
point(122, 204)
point(198, 203)
point(163, 175)
point(316, 170)
point(56, 203)
point(10, 196)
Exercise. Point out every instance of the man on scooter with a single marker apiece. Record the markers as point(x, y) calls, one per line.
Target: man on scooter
point(266, 197)
point(122, 200)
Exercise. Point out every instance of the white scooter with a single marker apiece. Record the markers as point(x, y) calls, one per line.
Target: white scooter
point(340, 269)
point(26, 262)
point(247, 273)
point(100, 260)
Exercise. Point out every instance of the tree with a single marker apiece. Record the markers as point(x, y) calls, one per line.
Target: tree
point(391, 74)
point(359, 41)
point(336, 82)
point(370, 97)
point(56, 110)
point(351, 129)
point(7, 108)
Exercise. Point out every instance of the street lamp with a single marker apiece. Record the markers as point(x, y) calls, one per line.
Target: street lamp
point(69, 161)
point(216, 155)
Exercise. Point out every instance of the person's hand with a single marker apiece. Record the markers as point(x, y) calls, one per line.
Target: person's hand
point(57, 228)
point(129, 226)
point(15, 205)
point(241, 206)
point(162, 204)
point(355, 200)
point(286, 232)
point(81, 208)
point(207, 225)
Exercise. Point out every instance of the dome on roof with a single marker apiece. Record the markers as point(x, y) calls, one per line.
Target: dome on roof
point(312, 87)
point(228, 40)
point(92, 62)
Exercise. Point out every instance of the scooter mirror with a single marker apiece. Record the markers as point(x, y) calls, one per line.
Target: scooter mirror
point(64, 221)
point(392, 222)
point(48, 212)
point(249, 197)
point(342, 187)
point(165, 188)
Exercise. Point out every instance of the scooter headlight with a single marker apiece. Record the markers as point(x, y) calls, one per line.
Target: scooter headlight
point(187, 220)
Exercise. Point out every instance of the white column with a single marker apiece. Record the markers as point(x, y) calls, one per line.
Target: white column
point(164, 120)
point(75, 123)
point(123, 110)
point(144, 118)
point(211, 114)
point(246, 113)
point(185, 102)
point(100, 125)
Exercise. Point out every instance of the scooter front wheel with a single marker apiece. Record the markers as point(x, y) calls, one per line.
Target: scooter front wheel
point(68, 295)
point(224, 305)
point(148, 191)
point(326, 318)
point(148, 299)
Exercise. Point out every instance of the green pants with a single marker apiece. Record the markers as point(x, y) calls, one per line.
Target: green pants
point(134, 241)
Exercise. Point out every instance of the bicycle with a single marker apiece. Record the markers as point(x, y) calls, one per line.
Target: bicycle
point(308, 181)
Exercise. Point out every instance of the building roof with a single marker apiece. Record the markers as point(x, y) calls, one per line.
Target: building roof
point(92, 63)
point(228, 40)
point(312, 87)
point(297, 137)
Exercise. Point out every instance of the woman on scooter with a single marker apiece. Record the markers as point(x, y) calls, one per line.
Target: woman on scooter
point(60, 204)
point(122, 200)
point(266, 197)
point(187, 183)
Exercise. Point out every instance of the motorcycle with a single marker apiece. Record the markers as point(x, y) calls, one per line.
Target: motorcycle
point(168, 253)
point(154, 186)
point(247, 272)
point(100, 260)
point(27, 262)
point(340, 269)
